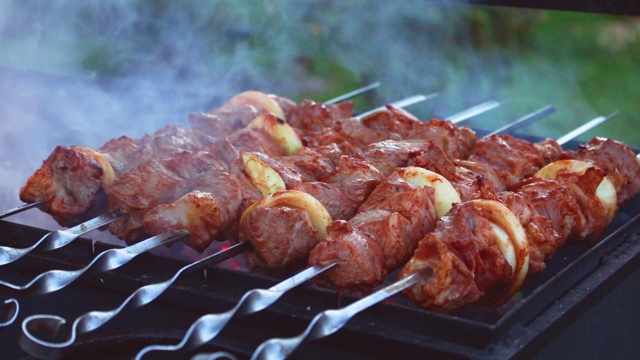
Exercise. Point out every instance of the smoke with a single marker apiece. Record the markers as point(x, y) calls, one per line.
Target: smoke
point(82, 72)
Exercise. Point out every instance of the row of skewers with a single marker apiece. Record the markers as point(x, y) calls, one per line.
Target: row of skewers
point(354, 186)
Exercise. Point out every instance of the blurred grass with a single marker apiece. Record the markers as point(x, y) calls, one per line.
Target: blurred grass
point(585, 64)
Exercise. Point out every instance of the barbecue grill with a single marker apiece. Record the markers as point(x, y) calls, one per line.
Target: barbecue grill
point(582, 302)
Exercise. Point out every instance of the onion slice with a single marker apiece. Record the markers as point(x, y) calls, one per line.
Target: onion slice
point(445, 194)
point(279, 130)
point(262, 176)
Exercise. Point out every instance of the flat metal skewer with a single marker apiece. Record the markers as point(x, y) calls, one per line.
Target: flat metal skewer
point(59, 238)
point(209, 326)
point(19, 209)
point(474, 111)
point(330, 321)
point(353, 93)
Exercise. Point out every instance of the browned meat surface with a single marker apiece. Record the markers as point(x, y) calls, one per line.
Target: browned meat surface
point(542, 237)
point(550, 149)
point(618, 161)
point(395, 216)
point(450, 287)
point(348, 245)
point(206, 212)
point(583, 189)
point(472, 180)
point(393, 232)
point(414, 203)
point(392, 120)
point(512, 159)
point(309, 116)
point(390, 154)
point(467, 235)
point(358, 133)
point(281, 236)
point(68, 182)
point(337, 203)
point(457, 142)
point(555, 202)
point(355, 178)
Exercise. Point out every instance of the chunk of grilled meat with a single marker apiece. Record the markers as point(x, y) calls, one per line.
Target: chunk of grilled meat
point(618, 161)
point(379, 238)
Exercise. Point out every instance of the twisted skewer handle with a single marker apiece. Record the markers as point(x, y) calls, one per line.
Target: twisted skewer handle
point(209, 326)
point(330, 321)
point(37, 328)
point(57, 239)
point(107, 260)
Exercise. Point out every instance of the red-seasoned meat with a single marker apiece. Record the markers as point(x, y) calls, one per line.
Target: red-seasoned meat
point(542, 237)
point(392, 120)
point(356, 132)
point(450, 287)
point(355, 178)
point(206, 212)
point(309, 116)
point(393, 232)
point(359, 257)
point(68, 181)
point(470, 236)
point(617, 160)
point(339, 206)
point(457, 142)
point(513, 159)
point(555, 202)
point(388, 155)
point(583, 188)
point(282, 236)
point(414, 203)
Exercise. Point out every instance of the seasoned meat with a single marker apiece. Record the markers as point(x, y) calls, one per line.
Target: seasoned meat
point(450, 287)
point(617, 160)
point(390, 154)
point(281, 236)
point(360, 258)
point(395, 216)
point(512, 159)
point(338, 204)
point(393, 232)
point(206, 212)
point(68, 182)
point(355, 178)
point(309, 116)
point(457, 142)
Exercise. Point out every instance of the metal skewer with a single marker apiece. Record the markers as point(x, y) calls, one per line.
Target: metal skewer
point(19, 209)
point(53, 280)
point(330, 321)
point(59, 238)
point(54, 325)
point(353, 93)
point(474, 111)
point(208, 326)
